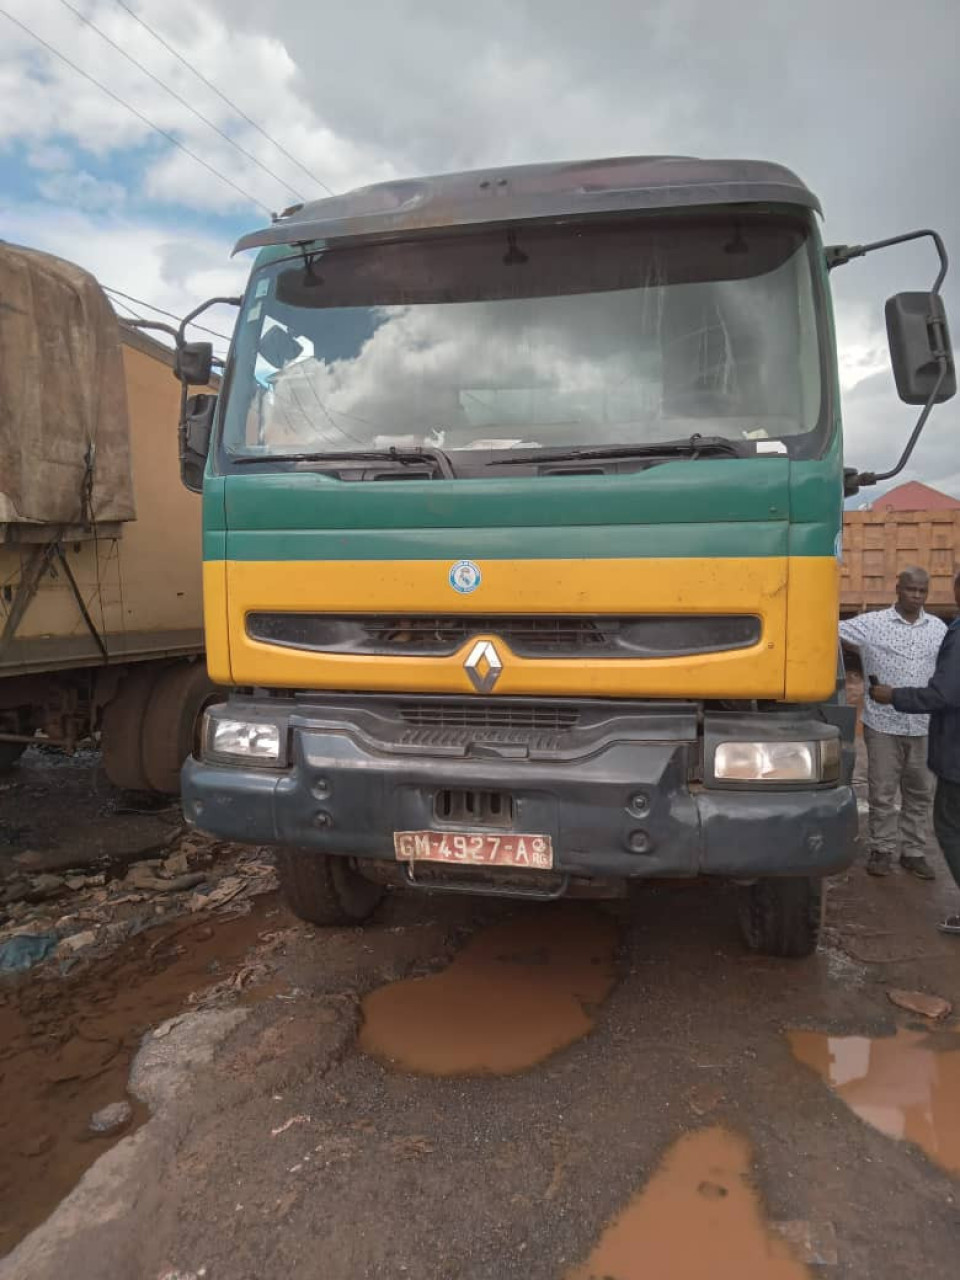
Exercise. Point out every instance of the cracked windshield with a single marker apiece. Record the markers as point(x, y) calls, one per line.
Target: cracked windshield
point(608, 335)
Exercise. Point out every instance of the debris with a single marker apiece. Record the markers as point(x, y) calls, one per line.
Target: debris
point(704, 1098)
point(177, 864)
point(289, 1124)
point(934, 1007)
point(815, 1243)
point(145, 875)
point(38, 1146)
point(412, 1147)
point(229, 888)
point(25, 950)
point(111, 1118)
point(76, 942)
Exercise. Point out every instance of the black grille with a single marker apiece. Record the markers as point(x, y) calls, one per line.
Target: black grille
point(549, 636)
point(474, 808)
point(489, 715)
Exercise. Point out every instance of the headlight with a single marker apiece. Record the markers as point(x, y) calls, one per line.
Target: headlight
point(251, 740)
point(777, 761)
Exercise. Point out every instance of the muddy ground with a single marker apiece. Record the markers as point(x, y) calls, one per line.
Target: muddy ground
point(287, 1121)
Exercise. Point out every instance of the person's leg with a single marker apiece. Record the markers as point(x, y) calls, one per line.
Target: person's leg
point(916, 795)
point(883, 781)
point(946, 823)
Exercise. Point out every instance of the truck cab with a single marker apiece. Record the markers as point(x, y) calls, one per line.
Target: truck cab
point(522, 511)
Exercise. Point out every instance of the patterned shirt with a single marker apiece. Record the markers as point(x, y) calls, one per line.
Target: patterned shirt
point(898, 653)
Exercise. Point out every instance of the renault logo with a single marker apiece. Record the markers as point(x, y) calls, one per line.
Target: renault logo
point(483, 666)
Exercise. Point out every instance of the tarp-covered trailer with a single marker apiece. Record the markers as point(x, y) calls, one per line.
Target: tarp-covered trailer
point(100, 569)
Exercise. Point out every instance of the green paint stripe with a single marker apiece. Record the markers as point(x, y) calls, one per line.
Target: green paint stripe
point(596, 542)
point(712, 491)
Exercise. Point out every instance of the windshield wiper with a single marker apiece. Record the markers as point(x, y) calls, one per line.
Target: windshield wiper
point(694, 447)
point(407, 457)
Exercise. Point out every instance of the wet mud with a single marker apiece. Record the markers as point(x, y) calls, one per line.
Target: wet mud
point(66, 1045)
point(906, 1085)
point(698, 1218)
point(518, 992)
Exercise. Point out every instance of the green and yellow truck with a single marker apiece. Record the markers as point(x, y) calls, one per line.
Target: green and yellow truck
point(522, 510)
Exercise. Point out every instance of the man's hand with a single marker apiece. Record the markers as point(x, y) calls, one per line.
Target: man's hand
point(882, 693)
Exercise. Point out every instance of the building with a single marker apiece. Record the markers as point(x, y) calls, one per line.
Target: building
point(914, 496)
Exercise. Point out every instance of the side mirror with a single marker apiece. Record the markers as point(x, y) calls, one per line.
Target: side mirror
point(919, 339)
point(195, 429)
point(194, 363)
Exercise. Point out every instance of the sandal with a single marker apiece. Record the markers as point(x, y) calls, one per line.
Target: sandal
point(950, 925)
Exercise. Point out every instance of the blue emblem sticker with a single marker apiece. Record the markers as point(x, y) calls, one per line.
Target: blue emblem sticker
point(465, 576)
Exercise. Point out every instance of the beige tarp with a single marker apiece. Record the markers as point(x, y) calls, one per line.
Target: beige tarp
point(64, 442)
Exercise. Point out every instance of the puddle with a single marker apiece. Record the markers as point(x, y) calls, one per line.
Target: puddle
point(907, 1085)
point(66, 1045)
point(698, 1218)
point(516, 993)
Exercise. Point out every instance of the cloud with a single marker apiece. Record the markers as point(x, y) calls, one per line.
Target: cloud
point(168, 267)
point(364, 92)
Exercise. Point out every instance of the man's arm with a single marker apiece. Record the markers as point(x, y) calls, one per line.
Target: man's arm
point(943, 691)
point(853, 631)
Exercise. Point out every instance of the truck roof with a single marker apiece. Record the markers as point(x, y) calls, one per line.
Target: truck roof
point(566, 189)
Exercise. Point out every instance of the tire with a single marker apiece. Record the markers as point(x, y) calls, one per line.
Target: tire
point(10, 753)
point(121, 729)
point(782, 917)
point(177, 699)
point(326, 889)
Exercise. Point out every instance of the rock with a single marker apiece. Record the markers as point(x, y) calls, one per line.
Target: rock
point(77, 942)
point(45, 886)
point(111, 1118)
point(934, 1007)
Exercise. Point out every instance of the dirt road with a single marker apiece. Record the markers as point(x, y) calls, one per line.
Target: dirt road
point(572, 1091)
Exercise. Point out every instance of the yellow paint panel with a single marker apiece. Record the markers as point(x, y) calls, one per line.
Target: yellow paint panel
point(647, 586)
point(813, 608)
point(215, 621)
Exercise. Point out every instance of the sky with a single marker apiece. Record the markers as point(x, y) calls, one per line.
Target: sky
point(859, 98)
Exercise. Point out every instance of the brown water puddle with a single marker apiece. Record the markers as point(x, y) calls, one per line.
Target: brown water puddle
point(66, 1045)
point(698, 1218)
point(517, 992)
point(907, 1085)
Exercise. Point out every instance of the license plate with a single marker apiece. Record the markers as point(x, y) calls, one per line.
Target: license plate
point(475, 849)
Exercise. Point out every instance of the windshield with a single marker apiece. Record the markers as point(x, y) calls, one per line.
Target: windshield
point(623, 334)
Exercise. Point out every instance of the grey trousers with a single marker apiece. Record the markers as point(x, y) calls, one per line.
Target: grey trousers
point(895, 763)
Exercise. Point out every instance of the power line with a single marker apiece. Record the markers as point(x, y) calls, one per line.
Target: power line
point(133, 111)
point(183, 101)
point(160, 311)
point(223, 97)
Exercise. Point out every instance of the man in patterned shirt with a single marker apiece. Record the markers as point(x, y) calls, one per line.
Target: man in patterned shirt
point(898, 647)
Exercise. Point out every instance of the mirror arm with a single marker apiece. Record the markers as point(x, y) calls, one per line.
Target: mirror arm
point(198, 311)
point(875, 477)
point(838, 255)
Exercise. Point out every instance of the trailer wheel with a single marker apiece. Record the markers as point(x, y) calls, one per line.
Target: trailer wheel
point(121, 730)
point(782, 917)
point(175, 704)
point(326, 889)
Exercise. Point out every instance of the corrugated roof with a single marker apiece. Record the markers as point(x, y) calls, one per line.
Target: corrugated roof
point(513, 194)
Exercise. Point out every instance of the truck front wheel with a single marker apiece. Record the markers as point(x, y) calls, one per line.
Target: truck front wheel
point(326, 889)
point(782, 917)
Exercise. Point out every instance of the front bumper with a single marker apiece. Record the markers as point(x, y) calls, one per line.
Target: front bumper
point(615, 794)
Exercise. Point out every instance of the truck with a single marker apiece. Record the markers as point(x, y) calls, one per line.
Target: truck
point(101, 626)
point(522, 505)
